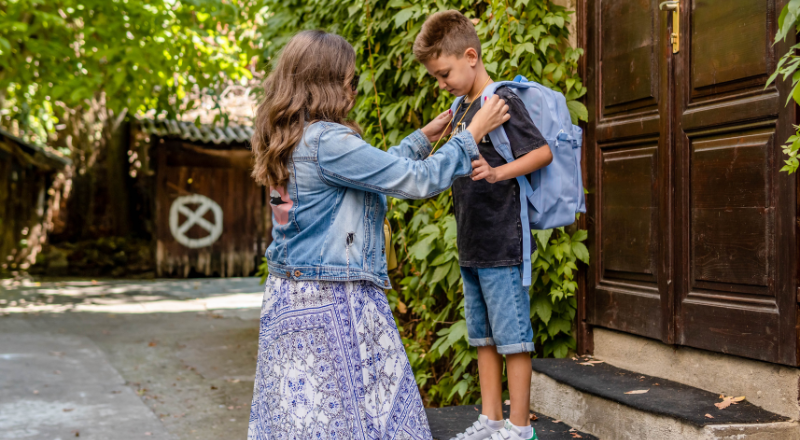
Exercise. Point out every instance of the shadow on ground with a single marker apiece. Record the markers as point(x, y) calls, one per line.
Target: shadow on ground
point(186, 349)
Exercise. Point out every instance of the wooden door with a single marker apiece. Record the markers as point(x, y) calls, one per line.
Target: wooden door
point(692, 225)
point(628, 163)
point(735, 211)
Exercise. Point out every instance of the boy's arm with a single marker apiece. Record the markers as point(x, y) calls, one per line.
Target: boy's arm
point(528, 146)
point(536, 159)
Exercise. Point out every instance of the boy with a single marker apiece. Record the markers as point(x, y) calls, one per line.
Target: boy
point(489, 238)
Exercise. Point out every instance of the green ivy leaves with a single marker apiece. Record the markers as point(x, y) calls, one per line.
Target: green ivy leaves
point(789, 66)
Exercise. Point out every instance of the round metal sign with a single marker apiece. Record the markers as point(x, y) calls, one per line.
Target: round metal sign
point(195, 217)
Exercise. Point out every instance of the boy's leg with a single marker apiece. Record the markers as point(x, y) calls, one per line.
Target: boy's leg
point(490, 363)
point(519, 387)
point(490, 373)
point(508, 306)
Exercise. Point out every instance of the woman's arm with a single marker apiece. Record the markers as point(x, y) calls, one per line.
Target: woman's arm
point(346, 160)
point(417, 145)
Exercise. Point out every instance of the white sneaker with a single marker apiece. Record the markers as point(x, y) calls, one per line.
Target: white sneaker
point(510, 432)
point(479, 430)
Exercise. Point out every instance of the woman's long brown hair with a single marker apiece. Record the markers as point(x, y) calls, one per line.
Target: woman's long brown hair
point(310, 82)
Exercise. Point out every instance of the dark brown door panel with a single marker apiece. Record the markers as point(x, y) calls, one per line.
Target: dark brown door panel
point(692, 226)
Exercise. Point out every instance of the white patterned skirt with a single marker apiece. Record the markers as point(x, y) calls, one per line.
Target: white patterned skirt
point(331, 365)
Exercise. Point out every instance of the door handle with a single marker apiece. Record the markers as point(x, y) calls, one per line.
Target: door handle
point(675, 36)
point(669, 6)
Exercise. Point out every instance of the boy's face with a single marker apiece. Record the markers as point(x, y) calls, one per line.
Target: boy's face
point(454, 74)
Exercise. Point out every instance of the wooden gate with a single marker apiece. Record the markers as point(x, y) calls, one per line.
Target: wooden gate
point(692, 225)
point(211, 217)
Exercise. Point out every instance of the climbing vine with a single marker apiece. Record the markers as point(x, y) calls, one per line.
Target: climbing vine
point(789, 66)
point(396, 96)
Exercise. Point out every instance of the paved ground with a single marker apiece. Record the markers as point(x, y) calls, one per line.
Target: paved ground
point(128, 360)
point(144, 359)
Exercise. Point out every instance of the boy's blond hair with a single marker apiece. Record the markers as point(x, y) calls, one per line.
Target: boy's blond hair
point(446, 33)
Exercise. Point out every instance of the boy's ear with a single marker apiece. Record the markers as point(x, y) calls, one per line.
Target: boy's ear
point(472, 56)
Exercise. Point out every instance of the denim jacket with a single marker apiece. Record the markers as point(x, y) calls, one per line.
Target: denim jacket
point(328, 220)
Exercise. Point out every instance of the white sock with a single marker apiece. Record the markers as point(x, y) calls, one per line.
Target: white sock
point(525, 431)
point(495, 424)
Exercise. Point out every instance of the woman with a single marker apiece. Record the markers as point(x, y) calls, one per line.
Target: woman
point(331, 363)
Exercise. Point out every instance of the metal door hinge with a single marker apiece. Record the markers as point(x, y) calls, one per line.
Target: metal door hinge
point(675, 36)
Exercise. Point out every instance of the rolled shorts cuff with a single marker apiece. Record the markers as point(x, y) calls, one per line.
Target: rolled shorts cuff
point(522, 347)
point(480, 342)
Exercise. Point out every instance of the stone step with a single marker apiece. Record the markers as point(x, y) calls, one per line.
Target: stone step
point(448, 421)
point(593, 398)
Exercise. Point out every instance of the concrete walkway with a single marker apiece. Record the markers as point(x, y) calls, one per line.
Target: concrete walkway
point(55, 386)
point(125, 360)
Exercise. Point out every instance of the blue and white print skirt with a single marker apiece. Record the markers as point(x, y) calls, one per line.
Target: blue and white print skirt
point(331, 365)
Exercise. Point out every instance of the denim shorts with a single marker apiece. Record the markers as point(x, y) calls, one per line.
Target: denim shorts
point(498, 309)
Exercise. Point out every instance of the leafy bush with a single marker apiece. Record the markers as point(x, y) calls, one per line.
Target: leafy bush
point(788, 66)
point(397, 95)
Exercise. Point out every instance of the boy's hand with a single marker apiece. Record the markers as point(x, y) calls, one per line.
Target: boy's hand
point(482, 170)
point(439, 127)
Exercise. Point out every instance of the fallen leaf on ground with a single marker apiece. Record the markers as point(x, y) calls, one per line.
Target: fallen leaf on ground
point(596, 362)
point(35, 391)
point(638, 391)
point(152, 344)
point(587, 363)
point(728, 401)
point(576, 435)
point(507, 403)
point(534, 417)
point(572, 429)
point(213, 387)
point(556, 421)
point(233, 380)
point(709, 416)
point(68, 409)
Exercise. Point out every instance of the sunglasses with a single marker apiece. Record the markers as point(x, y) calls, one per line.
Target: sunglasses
point(354, 83)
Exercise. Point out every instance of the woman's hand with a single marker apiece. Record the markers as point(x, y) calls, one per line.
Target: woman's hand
point(492, 114)
point(482, 170)
point(439, 127)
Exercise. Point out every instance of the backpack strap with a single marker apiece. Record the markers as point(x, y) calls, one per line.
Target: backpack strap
point(501, 143)
point(454, 106)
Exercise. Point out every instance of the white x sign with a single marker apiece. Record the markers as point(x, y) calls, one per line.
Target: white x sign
point(195, 218)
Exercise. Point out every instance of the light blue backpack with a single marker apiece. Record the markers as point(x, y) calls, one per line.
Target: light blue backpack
point(552, 196)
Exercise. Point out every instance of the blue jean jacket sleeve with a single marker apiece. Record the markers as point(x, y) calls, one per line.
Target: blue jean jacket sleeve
point(415, 146)
point(346, 160)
